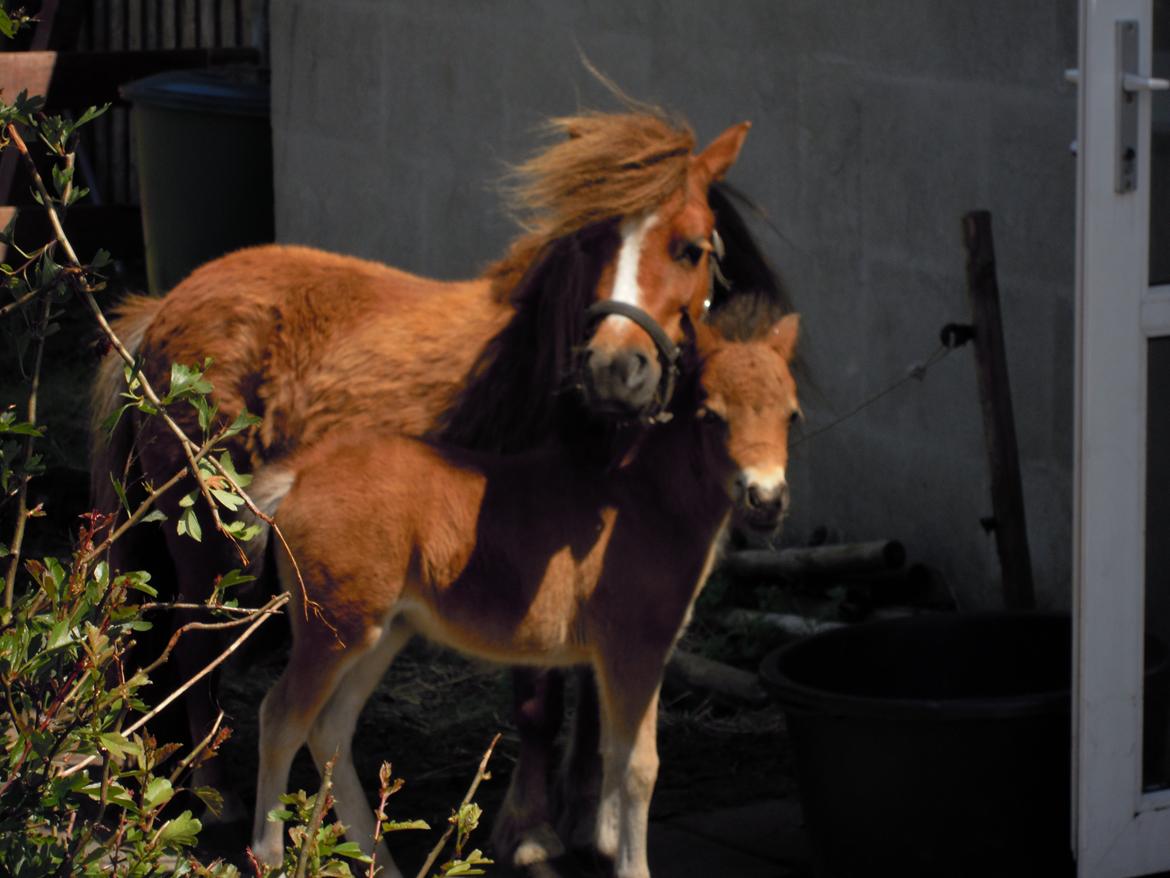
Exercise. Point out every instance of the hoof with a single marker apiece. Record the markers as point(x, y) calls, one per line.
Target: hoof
point(538, 845)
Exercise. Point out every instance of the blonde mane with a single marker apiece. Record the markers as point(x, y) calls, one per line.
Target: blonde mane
point(606, 165)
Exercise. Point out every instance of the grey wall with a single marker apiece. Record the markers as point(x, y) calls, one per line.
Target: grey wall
point(876, 126)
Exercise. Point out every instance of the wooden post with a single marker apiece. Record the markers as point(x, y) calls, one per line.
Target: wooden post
point(995, 395)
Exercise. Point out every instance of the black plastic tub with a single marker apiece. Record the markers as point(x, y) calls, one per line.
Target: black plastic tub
point(939, 745)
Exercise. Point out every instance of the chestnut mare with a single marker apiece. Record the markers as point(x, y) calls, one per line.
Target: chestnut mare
point(317, 344)
point(531, 558)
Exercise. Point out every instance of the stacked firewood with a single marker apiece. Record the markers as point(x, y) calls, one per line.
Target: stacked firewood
point(836, 583)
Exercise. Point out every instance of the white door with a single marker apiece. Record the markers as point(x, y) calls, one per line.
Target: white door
point(1122, 532)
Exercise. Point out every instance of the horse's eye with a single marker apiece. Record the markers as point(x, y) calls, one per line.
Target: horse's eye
point(689, 252)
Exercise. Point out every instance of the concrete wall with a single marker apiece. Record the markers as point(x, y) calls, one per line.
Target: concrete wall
point(877, 125)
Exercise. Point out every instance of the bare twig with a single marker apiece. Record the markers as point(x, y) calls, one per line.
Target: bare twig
point(23, 300)
point(22, 511)
point(199, 748)
point(480, 775)
point(194, 626)
point(319, 807)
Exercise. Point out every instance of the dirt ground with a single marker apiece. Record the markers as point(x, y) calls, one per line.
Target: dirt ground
point(435, 714)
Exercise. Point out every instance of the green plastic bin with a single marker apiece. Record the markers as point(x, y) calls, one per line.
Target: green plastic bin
point(204, 152)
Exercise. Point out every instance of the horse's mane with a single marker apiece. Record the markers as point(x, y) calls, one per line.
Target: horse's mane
point(604, 165)
point(518, 392)
point(755, 297)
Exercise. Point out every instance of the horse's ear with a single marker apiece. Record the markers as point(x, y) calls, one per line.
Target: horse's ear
point(715, 161)
point(783, 335)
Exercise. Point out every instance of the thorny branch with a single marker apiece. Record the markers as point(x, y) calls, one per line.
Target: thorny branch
point(262, 617)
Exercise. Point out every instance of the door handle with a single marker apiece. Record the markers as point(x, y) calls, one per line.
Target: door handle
point(1130, 87)
point(1132, 83)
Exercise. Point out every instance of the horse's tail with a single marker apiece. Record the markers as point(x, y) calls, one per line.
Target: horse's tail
point(111, 447)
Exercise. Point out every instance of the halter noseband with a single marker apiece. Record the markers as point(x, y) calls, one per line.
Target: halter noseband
point(668, 351)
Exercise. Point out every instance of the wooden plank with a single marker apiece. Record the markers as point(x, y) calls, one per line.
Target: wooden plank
point(999, 425)
point(701, 674)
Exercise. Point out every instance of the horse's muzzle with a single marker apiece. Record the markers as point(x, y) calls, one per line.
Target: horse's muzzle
point(623, 383)
point(626, 382)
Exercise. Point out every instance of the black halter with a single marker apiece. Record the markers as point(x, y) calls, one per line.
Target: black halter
point(668, 352)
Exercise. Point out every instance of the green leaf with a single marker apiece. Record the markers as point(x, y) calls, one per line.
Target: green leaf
point(59, 636)
point(158, 792)
point(7, 25)
point(186, 381)
point(241, 479)
point(399, 825)
point(242, 531)
point(117, 744)
point(88, 116)
point(228, 499)
point(183, 831)
point(350, 849)
point(139, 580)
point(243, 421)
point(210, 797)
point(233, 578)
point(154, 515)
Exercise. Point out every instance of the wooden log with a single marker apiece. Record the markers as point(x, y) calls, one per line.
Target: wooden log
point(690, 671)
point(789, 623)
point(999, 426)
point(817, 560)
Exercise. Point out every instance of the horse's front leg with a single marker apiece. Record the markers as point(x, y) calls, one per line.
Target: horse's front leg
point(628, 692)
point(523, 831)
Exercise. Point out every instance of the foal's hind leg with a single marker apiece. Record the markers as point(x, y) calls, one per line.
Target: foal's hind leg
point(286, 716)
point(332, 734)
point(523, 831)
point(196, 567)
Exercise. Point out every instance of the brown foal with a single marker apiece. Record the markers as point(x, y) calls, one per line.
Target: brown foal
point(534, 558)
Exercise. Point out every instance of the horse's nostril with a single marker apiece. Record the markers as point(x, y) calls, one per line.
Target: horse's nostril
point(755, 501)
point(633, 369)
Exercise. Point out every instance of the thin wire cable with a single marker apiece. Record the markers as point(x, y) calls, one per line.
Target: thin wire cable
point(916, 373)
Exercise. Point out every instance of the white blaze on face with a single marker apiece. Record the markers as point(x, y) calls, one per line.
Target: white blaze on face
point(625, 282)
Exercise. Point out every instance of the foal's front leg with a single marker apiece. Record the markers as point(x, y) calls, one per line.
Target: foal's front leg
point(629, 751)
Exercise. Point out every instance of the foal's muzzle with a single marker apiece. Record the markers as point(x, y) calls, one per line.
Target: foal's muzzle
point(762, 508)
point(627, 383)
